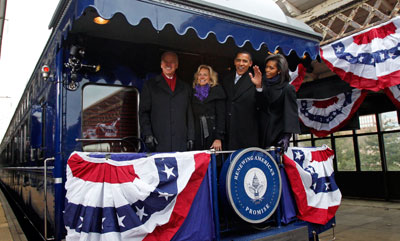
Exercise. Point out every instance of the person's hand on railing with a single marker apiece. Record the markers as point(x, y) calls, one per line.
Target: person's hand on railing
point(190, 145)
point(284, 142)
point(151, 143)
point(217, 145)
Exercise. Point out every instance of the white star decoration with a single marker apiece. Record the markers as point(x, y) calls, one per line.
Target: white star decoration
point(372, 60)
point(382, 56)
point(327, 186)
point(361, 58)
point(391, 54)
point(120, 221)
point(140, 213)
point(298, 155)
point(348, 57)
point(80, 226)
point(168, 171)
point(338, 49)
point(102, 221)
point(165, 195)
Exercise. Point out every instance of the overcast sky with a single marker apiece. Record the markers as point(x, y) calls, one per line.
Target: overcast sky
point(24, 37)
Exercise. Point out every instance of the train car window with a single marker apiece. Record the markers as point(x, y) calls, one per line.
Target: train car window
point(110, 118)
point(15, 150)
point(26, 142)
point(21, 145)
point(35, 131)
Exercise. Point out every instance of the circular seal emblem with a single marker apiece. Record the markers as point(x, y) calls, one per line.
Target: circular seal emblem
point(253, 185)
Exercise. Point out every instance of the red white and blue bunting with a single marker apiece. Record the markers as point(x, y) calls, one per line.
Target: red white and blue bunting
point(326, 116)
point(311, 175)
point(369, 59)
point(297, 77)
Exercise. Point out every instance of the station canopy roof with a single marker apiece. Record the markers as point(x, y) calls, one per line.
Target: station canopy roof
point(262, 24)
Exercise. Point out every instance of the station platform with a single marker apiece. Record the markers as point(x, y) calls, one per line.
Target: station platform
point(360, 220)
point(356, 220)
point(10, 230)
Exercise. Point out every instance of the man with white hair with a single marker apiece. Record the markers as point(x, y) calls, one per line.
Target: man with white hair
point(165, 113)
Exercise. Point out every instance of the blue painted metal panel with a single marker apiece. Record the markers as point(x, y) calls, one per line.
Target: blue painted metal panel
point(60, 159)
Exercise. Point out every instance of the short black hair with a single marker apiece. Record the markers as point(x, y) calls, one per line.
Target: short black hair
point(244, 52)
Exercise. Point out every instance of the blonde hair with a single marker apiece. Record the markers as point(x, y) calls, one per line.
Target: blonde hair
point(213, 75)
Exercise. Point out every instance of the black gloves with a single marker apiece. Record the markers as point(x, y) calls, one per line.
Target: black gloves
point(151, 143)
point(284, 141)
point(190, 145)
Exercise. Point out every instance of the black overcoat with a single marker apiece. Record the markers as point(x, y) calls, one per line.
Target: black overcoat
point(212, 111)
point(241, 112)
point(166, 114)
point(279, 112)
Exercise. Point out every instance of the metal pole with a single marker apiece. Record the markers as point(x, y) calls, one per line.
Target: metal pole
point(215, 195)
point(45, 195)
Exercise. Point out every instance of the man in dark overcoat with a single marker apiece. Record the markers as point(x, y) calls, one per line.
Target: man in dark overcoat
point(165, 113)
point(241, 108)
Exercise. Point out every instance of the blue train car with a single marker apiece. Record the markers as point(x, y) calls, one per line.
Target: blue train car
point(84, 93)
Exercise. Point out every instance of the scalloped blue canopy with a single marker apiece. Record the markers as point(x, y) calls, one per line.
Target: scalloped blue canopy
point(203, 22)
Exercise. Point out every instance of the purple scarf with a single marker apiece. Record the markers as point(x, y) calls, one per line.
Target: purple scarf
point(202, 91)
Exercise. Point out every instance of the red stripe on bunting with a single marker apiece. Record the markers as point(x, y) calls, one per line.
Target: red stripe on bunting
point(183, 201)
point(381, 32)
point(306, 213)
point(326, 103)
point(321, 156)
point(100, 172)
point(364, 83)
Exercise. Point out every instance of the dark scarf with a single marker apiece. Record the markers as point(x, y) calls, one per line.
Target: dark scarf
point(202, 91)
point(273, 80)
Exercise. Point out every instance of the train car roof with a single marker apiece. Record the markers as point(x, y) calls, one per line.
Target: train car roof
point(252, 21)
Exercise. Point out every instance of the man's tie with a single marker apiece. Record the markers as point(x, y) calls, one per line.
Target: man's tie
point(237, 77)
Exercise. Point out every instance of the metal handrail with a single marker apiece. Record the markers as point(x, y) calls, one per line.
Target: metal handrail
point(213, 151)
point(99, 139)
point(108, 139)
point(45, 195)
point(27, 168)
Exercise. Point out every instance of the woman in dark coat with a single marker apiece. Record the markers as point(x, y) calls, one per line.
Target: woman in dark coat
point(208, 105)
point(277, 99)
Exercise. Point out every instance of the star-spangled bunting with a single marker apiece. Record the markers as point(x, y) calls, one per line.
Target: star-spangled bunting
point(369, 59)
point(325, 116)
point(132, 196)
point(311, 176)
point(297, 76)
